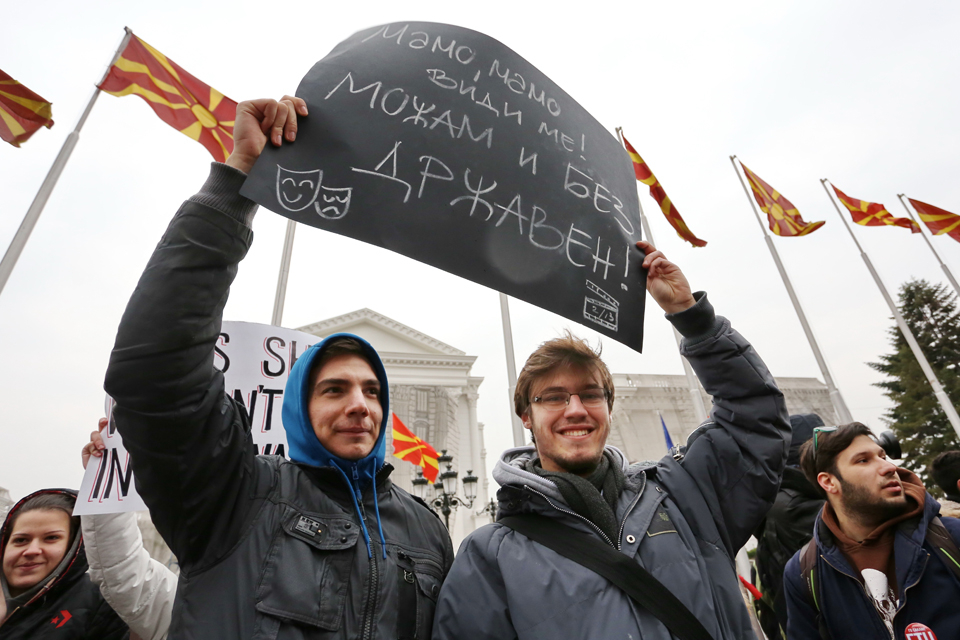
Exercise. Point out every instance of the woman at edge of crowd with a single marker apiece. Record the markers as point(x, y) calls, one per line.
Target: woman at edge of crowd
point(44, 582)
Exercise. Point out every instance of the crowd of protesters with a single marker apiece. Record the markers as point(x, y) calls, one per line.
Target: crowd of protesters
point(585, 543)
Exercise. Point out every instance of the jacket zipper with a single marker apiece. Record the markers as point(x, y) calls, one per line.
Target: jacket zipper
point(903, 600)
point(623, 522)
point(367, 631)
point(863, 587)
point(598, 529)
point(417, 561)
point(366, 628)
point(574, 514)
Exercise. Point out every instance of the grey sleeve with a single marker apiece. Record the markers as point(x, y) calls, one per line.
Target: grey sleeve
point(736, 458)
point(473, 600)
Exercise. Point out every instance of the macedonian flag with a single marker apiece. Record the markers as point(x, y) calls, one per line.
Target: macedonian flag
point(409, 447)
point(186, 104)
point(939, 222)
point(645, 175)
point(783, 217)
point(873, 214)
point(22, 111)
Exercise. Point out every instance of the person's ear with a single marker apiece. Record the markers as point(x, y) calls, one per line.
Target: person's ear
point(958, 485)
point(525, 419)
point(828, 482)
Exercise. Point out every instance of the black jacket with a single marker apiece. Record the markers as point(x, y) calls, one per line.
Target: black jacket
point(70, 606)
point(787, 527)
point(267, 548)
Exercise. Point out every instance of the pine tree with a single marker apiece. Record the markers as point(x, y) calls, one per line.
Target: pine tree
point(916, 417)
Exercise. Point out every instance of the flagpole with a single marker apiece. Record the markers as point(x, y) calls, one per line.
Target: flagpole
point(693, 385)
point(943, 266)
point(19, 241)
point(835, 396)
point(511, 369)
point(938, 391)
point(284, 273)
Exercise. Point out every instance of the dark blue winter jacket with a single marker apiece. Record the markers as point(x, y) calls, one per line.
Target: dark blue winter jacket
point(929, 591)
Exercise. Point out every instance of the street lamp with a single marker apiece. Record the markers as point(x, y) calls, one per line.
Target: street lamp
point(442, 495)
point(490, 509)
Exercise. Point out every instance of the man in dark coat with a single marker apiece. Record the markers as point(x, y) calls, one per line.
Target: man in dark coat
point(787, 527)
point(881, 568)
point(320, 546)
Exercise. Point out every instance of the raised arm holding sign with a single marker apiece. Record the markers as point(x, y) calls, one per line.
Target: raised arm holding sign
point(322, 545)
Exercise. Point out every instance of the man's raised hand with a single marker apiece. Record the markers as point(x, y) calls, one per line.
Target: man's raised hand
point(665, 282)
point(258, 120)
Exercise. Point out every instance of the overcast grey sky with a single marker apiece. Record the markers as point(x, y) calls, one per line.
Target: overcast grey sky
point(862, 93)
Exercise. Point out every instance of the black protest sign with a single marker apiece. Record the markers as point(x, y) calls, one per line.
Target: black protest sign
point(443, 145)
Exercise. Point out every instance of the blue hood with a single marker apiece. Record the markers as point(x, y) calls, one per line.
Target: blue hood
point(302, 442)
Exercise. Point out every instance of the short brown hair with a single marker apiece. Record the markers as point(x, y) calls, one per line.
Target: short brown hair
point(337, 347)
point(569, 351)
point(829, 446)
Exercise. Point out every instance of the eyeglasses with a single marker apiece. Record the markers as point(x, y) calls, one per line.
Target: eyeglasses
point(556, 400)
point(817, 431)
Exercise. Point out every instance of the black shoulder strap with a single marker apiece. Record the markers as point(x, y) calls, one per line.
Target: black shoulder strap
point(808, 564)
point(809, 554)
point(939, 538)
point(620, 569)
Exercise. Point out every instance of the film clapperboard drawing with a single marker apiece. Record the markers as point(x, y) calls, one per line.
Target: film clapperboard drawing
point(604, 311)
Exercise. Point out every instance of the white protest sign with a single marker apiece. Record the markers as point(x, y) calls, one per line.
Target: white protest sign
point(107, 487)
point(255, 360)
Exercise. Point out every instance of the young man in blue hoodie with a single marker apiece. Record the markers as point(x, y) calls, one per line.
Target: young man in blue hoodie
point(320, 546)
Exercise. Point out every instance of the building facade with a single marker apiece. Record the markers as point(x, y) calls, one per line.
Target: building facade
point(641, 400)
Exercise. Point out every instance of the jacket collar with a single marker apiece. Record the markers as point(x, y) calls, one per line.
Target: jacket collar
point(509, 470)
point(330, 481)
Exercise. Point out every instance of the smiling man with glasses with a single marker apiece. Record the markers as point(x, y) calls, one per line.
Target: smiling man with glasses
point(587, 545)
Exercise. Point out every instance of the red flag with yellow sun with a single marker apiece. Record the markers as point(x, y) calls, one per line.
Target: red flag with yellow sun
point(407, 446)
point(22, 111)
point(873, 214)
point(179, 99)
